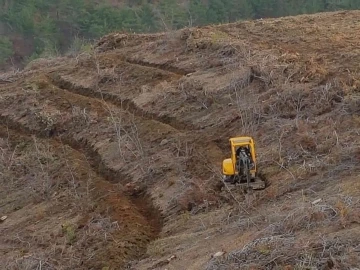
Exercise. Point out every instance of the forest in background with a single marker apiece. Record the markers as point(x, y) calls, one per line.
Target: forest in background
point(30, 29)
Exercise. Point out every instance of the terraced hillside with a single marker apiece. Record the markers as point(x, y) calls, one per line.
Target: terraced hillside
point(112, 159)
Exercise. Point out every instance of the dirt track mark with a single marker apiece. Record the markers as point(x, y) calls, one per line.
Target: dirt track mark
point(164, 67)
point(141, 201)
point(125, 104)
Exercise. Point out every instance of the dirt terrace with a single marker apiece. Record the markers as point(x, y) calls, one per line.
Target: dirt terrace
point(112, 159)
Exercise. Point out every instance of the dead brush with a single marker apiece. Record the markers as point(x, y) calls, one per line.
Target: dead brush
point(199, 97)
point(107, 75)
point(101, 227)
point(80, 116)
point(264, 70)
point(126, 132)
point(10, 76)
point(301, 103)
point(71, 252)
point(44, 171)
point(96, 233)
point(39, 169)
point(287, 103)
point(47, 120)
point(352, 104)
point(8, 159)
point(342, 160)
point(246, 103)
point(307, 218)
point(262, 252)
point(40, 261)
point(44, 158)
point(193, 193)
point(51, 172)
point(194, 198)
point(283, 243)
point(316, 149)
point(189, 193)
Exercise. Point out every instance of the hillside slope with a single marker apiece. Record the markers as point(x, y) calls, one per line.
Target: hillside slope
point(42, 29)
point(87, 141)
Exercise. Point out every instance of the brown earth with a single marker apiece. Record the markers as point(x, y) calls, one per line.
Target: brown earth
point(112, 160)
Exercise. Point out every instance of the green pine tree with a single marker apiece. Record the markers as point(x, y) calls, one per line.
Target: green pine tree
point(216, 12)
point(147, 18)
point(5, 49)
point(172, 14)
point(197, 12)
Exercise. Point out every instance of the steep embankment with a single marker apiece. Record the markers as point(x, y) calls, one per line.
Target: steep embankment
point(149, 116)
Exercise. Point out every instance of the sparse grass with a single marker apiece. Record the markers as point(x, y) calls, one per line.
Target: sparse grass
point(69, 232)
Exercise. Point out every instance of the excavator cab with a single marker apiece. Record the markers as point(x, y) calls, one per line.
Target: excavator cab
point(241, 167)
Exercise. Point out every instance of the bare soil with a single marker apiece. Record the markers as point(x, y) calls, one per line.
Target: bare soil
point(112, 159)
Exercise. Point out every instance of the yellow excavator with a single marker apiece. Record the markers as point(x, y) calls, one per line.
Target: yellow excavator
point(241, 167)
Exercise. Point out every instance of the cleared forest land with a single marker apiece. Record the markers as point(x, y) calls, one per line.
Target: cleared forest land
point(112, 159)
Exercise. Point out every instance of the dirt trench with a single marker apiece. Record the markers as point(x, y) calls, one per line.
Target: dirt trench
point(49, 92)
point(166, 67)
point(135, 210)
point(139, 211)
point(125, 104)
point(129, 106)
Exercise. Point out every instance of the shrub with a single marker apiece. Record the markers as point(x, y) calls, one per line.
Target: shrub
point(6, 49)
